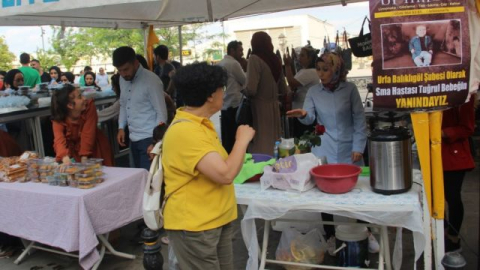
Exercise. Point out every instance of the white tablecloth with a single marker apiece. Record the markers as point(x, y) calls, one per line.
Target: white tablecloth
point(401, 210)
point(71, 218)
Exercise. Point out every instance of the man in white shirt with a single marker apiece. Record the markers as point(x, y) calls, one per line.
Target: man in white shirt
point(142, 104)
point(102, 78)
point(233, 96)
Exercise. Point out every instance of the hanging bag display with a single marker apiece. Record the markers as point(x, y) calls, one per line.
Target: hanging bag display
point(362, 45)
point(244, 113)
point(345, 53)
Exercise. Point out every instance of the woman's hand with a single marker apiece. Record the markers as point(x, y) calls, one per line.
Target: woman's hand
point(83, 159)
point(65, 162)
point(244, 134)
point(298, 113)
point(356, 156)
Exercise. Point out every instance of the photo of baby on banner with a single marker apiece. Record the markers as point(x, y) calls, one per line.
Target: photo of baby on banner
point(421, 44)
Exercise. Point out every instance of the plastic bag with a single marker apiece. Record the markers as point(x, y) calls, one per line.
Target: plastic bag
point(296, 247)
point(290, 173)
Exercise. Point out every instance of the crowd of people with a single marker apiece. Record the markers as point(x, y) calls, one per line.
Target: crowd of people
point(174, 104)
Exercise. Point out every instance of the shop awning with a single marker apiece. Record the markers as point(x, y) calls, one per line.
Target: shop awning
point(139, 13)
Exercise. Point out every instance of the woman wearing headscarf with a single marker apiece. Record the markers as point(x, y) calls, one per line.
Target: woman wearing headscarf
point(55, 74)
point(336, 104)
point(265, 82)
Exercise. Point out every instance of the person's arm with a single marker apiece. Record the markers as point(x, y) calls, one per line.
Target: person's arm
point(238, 74)
point(254, 74)
point(109, 112)
point(309, 108)
point(224, 171)
point(411, 47)
point(59, 141)
point(89, 132)
point(292, 82)
point(466, 124)
point(359, 124)
point(39, 79)
point(157, 99)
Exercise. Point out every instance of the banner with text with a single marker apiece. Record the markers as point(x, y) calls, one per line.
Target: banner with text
point(421, 54)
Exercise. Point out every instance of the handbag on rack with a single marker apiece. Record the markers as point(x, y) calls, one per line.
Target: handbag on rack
point(244, 113)
point(345, 53)
point(362, 45)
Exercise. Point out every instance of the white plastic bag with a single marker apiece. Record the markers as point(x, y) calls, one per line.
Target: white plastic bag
point(296, 247)
point(294, 175)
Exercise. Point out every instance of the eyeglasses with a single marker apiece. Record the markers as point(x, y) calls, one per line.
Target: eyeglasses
point(18, 80)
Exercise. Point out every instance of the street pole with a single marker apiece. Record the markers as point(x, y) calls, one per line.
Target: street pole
point(43, 42)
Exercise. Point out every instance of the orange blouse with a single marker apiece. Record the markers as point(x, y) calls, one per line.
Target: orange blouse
point(82, 138)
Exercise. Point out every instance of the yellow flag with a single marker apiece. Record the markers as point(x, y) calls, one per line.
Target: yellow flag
point(437, 167)
point(152, 39)
point(421, 129)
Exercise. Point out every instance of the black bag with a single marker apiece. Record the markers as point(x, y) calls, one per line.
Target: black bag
point(345, 53)
point(362, 45)
point(244, 113)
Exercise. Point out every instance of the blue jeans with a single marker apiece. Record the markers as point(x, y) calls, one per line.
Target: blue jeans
point(139, 153)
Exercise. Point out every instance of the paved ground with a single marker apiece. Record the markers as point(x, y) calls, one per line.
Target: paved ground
point(46, 261)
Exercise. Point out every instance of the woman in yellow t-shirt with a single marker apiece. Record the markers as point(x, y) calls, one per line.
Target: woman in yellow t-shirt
point(198, 172)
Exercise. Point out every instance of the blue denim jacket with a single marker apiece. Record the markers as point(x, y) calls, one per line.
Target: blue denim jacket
point(415, 44)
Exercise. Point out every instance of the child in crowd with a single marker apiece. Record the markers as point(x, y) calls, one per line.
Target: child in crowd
point(75, 128)
point(67, 77)
point(421, 47)
point(90, 80)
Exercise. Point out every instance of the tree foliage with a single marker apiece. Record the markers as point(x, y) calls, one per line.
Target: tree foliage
point(6, 56)
point(73, 44)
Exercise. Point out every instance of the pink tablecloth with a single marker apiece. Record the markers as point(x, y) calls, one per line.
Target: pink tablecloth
point(70, 218)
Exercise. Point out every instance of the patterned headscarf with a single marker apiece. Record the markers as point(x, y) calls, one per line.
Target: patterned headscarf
point(334, 62)
point(262, 47)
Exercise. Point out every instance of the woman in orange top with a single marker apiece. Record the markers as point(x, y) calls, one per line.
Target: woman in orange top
point(75, 128)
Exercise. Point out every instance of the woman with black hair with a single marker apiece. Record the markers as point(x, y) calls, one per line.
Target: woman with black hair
point(75, 128)
point(90, 80)
point(55, 74)
point(198, 173)
point(67, 77)
point(14, 79)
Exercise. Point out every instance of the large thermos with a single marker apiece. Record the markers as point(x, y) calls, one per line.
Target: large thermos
point(390, 159)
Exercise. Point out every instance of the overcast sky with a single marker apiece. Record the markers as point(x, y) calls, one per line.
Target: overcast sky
point(28, 39)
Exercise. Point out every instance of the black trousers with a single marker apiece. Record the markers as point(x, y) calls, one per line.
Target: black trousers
point(452, 181)
point(228, 128)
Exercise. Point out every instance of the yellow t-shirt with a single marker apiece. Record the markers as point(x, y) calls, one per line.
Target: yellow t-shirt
point(201, 204)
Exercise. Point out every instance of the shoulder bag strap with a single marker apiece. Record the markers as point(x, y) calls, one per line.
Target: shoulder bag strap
point(168, 196)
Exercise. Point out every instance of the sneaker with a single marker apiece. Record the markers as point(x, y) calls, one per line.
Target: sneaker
point(450, 246)
point(373, 246)
point(331, 245)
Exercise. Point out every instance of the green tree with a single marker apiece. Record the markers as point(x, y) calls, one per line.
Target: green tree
point(64, 44)
point(6, 56)
point(47, 58)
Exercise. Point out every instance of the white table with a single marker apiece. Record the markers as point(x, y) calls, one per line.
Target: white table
point(402, 210)
point(73, 219)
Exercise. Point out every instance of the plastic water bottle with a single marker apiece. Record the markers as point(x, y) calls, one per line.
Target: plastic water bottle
point(275, 150)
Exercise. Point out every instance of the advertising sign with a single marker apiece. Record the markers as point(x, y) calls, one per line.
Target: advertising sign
point(421, 54)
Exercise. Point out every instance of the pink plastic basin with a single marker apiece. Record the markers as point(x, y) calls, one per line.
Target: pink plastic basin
point(336, 178)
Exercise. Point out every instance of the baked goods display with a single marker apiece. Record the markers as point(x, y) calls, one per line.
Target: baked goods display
point(29, 168)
